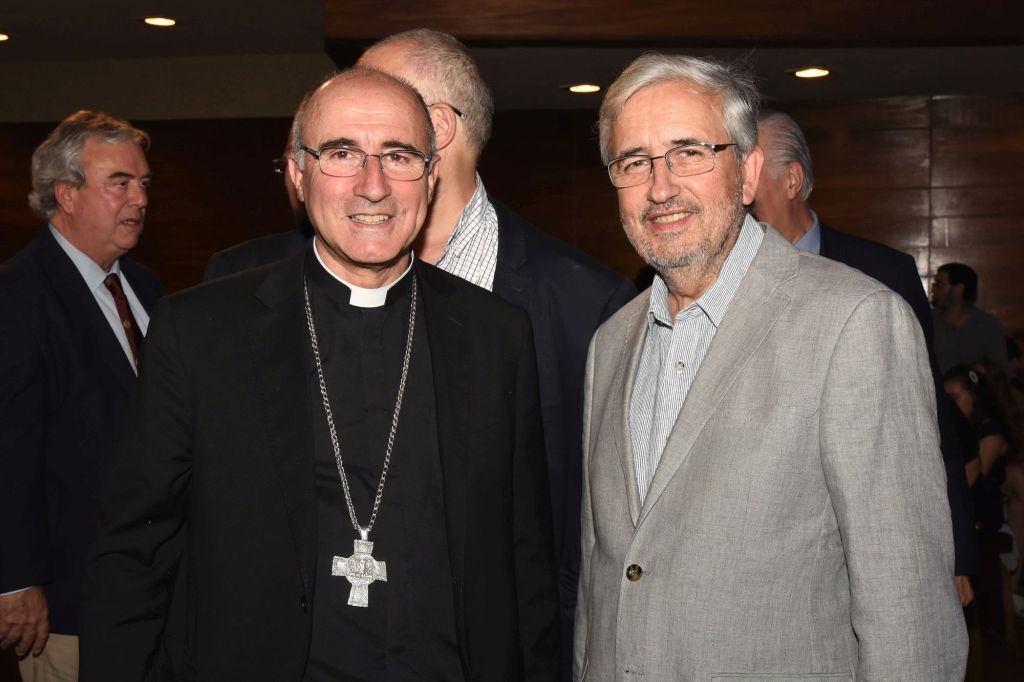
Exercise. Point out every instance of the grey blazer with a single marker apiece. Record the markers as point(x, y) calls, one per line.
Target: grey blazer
point(797, 525)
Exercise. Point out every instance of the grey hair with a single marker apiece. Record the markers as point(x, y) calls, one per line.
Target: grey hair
point(445, 72)
point(309, 99)
point(734, 83)
point(788, 145)
point(59, 157)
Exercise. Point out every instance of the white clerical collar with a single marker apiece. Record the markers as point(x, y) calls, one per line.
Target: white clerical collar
point(361, 297)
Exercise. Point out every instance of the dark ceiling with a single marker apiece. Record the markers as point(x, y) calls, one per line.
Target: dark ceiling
point(528, 49)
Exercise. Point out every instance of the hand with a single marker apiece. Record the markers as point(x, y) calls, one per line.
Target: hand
point(964, 589)
point(24, 621)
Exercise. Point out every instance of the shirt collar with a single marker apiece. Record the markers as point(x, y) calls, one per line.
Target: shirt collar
point(469, 220)
point(811, 241)
point(715, 300)
point(90, 270)
point(362, 297)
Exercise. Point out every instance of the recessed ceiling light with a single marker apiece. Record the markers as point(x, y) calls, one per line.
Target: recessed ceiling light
point(811, 72)
point(162, 22)
point(3, 37)
point(584, 88)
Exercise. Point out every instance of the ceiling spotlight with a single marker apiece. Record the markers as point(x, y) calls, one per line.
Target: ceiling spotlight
point(584, 88)
point(811, 72)
point(161, 22)
point(3, 37)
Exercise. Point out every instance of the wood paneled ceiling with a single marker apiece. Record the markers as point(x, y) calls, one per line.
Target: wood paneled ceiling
point(767, 23)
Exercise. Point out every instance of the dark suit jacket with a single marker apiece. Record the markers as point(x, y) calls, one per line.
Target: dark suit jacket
point(898, 271)
point(64, 383)
point(568, 295)
point(218, 463)
point(254, 253)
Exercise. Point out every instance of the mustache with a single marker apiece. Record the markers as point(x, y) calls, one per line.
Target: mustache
point(672, 206)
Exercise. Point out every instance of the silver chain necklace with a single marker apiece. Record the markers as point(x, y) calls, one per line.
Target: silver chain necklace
point(361, 568)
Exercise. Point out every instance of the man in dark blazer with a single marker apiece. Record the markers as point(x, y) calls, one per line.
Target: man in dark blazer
point(226, 483)
point(67, 365)
point(781, 201)
point(566, 293)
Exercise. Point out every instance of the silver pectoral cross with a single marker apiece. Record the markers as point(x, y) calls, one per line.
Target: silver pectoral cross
point(361, 569)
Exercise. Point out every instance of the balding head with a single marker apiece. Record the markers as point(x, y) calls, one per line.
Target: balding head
point(341, 82)
point(441, 68)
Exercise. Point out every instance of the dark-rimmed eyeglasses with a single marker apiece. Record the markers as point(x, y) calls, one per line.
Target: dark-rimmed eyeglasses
point(396, 164)
point(280, 164)
point(694, 158)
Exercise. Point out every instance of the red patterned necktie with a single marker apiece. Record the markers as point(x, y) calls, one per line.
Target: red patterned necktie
point(124, 311)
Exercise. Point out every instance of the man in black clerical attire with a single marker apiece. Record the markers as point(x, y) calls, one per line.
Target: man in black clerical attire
point(334, 466)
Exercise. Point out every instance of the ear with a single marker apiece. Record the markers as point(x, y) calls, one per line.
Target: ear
point(445, 122)
point(794, 180)
point(751, 168)
point(295, 174)
point(65, 194)
point(432, 178)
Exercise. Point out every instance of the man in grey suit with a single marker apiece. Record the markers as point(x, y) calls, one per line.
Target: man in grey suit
point(763, 492)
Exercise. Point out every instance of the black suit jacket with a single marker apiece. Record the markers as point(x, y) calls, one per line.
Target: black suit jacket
point(567, 295)
point(217, 464)
point(64, 384)
point(898, 271)
point(255, 252)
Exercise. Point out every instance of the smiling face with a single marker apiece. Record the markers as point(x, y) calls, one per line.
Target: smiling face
point(103, 218)
point(681, 222)
point(365, 223)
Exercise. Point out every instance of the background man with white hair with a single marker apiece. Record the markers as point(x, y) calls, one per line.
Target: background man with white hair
point(73, 314)
point(782, 201)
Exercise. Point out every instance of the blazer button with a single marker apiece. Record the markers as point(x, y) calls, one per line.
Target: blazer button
point(634, 572)
point(302, 602)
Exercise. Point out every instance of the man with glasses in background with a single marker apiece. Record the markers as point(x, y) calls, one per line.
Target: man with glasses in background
point(342, 451)
point(763, 493)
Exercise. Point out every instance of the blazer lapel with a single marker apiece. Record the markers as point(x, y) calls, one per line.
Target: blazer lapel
point(509, 283)
point(450, 356)
point(283, 369)
point(81, 307)
point(757, 304)
point(622, 393)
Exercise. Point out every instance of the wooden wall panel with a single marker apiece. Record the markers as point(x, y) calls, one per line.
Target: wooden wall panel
point(977, 156)
point(991, 200)
point(938, 178)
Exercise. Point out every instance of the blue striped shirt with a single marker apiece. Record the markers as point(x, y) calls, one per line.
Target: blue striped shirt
point(673, 351)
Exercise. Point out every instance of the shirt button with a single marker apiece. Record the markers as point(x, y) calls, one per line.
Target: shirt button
point(680, 366)
point(634, 573)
